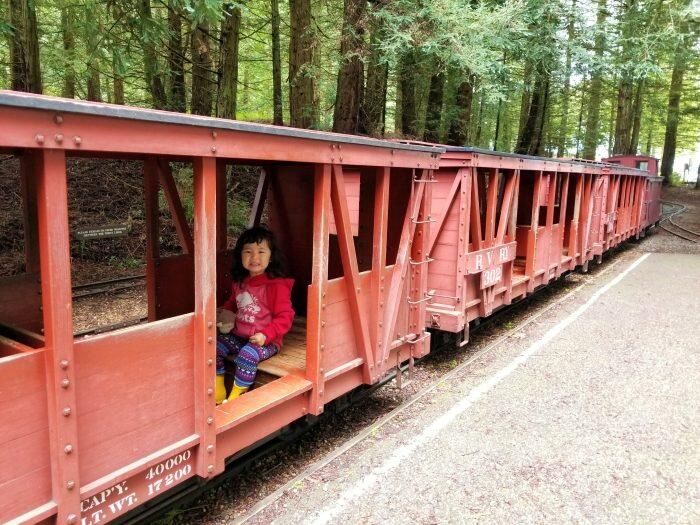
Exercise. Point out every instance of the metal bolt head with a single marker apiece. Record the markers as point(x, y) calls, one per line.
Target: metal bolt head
point(63, 363)
point(39, 139)
point(58, 119)
point(78, 141)
point(210, 339)
point(68, 449)
point(210, 449)
point(210, 420)
point(70, 485)
point(66, 411)
point(213, 134)
point(210, 362)
point(210, 324)
point(58, 137)
point(213, 149)
point(210, 391)
point(72, 518)
point(65, 383)
point(210, 468)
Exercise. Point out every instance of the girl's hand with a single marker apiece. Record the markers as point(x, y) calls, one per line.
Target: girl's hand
point(258, 339)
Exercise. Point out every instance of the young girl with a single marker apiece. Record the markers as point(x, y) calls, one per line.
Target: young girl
point(258, 313)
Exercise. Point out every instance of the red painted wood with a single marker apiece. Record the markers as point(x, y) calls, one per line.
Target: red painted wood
point(19, 127)
point(20, 302)
point(352, 278)
point(316, 315)
point(167, 182)
point(379, 248)
point(52, 206)
point(205, 227)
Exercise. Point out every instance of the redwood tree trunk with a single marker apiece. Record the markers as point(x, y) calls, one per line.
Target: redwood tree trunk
point(176, 60)
point(302, 75)
point(202, 87)
point(68, 33)
point(348, 98)
point(564, 124)
point(458, 135)
point(674, 100)
point(407, 72)
point(94, 89)
point(154, 77)
point(276, 66)
point(228, 71)
point(374, 99)
point(434, 111)
point(24, 47)
point(590, 140)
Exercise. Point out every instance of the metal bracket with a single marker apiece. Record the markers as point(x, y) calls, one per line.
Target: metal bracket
point(430, 219)
point(399, 373)
point(416, 263)
point(425, 180)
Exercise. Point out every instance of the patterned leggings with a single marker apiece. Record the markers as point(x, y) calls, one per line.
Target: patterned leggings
point(244, 354)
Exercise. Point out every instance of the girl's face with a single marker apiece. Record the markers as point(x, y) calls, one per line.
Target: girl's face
point(255, 257)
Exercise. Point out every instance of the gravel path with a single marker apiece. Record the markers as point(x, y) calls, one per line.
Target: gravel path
point(600, 425)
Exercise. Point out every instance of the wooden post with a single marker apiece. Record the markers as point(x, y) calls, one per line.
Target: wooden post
point(316, 304)
point(351, 273)
point(54, 242)
point(208, 464)
point(152, 221)
point(379, 241)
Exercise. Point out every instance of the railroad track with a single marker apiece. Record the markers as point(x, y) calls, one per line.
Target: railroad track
point(110, 285)
point(685, 233)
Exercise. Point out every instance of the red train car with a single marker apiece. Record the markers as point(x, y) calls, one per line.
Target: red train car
point(384, 240)
point(91, 427)
point(507, 224)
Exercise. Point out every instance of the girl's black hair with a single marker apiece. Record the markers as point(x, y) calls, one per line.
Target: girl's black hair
point(276, 268)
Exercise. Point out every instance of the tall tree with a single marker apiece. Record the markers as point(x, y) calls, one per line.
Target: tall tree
point(176, 59)
point(24, 47)
point(590, 140)
point(68, 34)
point(277, 118)
point(228, 69)
point(202, 85)
point(373, 104)
point(458, 134)
point(565, 94)
point(149, 37)
point(92, 30)
point(349, 92)
point(302, 75)
point(433, 114)
point(680, 63)
point(407, 79)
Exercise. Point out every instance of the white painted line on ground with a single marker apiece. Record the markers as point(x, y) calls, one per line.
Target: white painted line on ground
point(400, 454)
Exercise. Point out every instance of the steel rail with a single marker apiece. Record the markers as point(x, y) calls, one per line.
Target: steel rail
point(669, 218)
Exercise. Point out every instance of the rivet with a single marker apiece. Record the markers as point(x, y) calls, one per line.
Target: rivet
point(39, 139)
point(210, 391)
point(70, 485)
point(77, 140)
point(58, 137)
point(213, 134)
point(358, 290)
point(323, 347)
point(58, 119)
point(210, 468)
point(66, 411)
point(322, 370)
point(68, 449)
point(210, 324)
point(63, 363)
point(303, 410)
point(323, 323)
point(210, 420)
point(210, 362)
point(210, 339)
point(71, 519)
point(213, 149)
point(210, 449)
point(65, 383)
point(323, 305)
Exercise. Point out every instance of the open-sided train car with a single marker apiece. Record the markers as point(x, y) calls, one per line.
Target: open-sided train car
point(506, 224)
point(91, 427)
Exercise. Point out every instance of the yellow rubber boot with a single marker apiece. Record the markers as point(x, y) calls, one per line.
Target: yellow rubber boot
point(220, 390)
point(237, 391)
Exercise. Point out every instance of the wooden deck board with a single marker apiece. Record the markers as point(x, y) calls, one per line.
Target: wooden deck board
point(292, 357)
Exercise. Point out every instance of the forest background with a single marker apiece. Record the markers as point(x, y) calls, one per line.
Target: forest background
point(568, 78)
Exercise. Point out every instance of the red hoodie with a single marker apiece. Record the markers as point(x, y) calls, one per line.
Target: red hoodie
point(262, 305)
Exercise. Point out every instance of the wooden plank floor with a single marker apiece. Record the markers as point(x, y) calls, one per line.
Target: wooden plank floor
point(292, 357)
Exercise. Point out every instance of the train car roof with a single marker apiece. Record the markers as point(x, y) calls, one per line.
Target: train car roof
point(42, 102)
